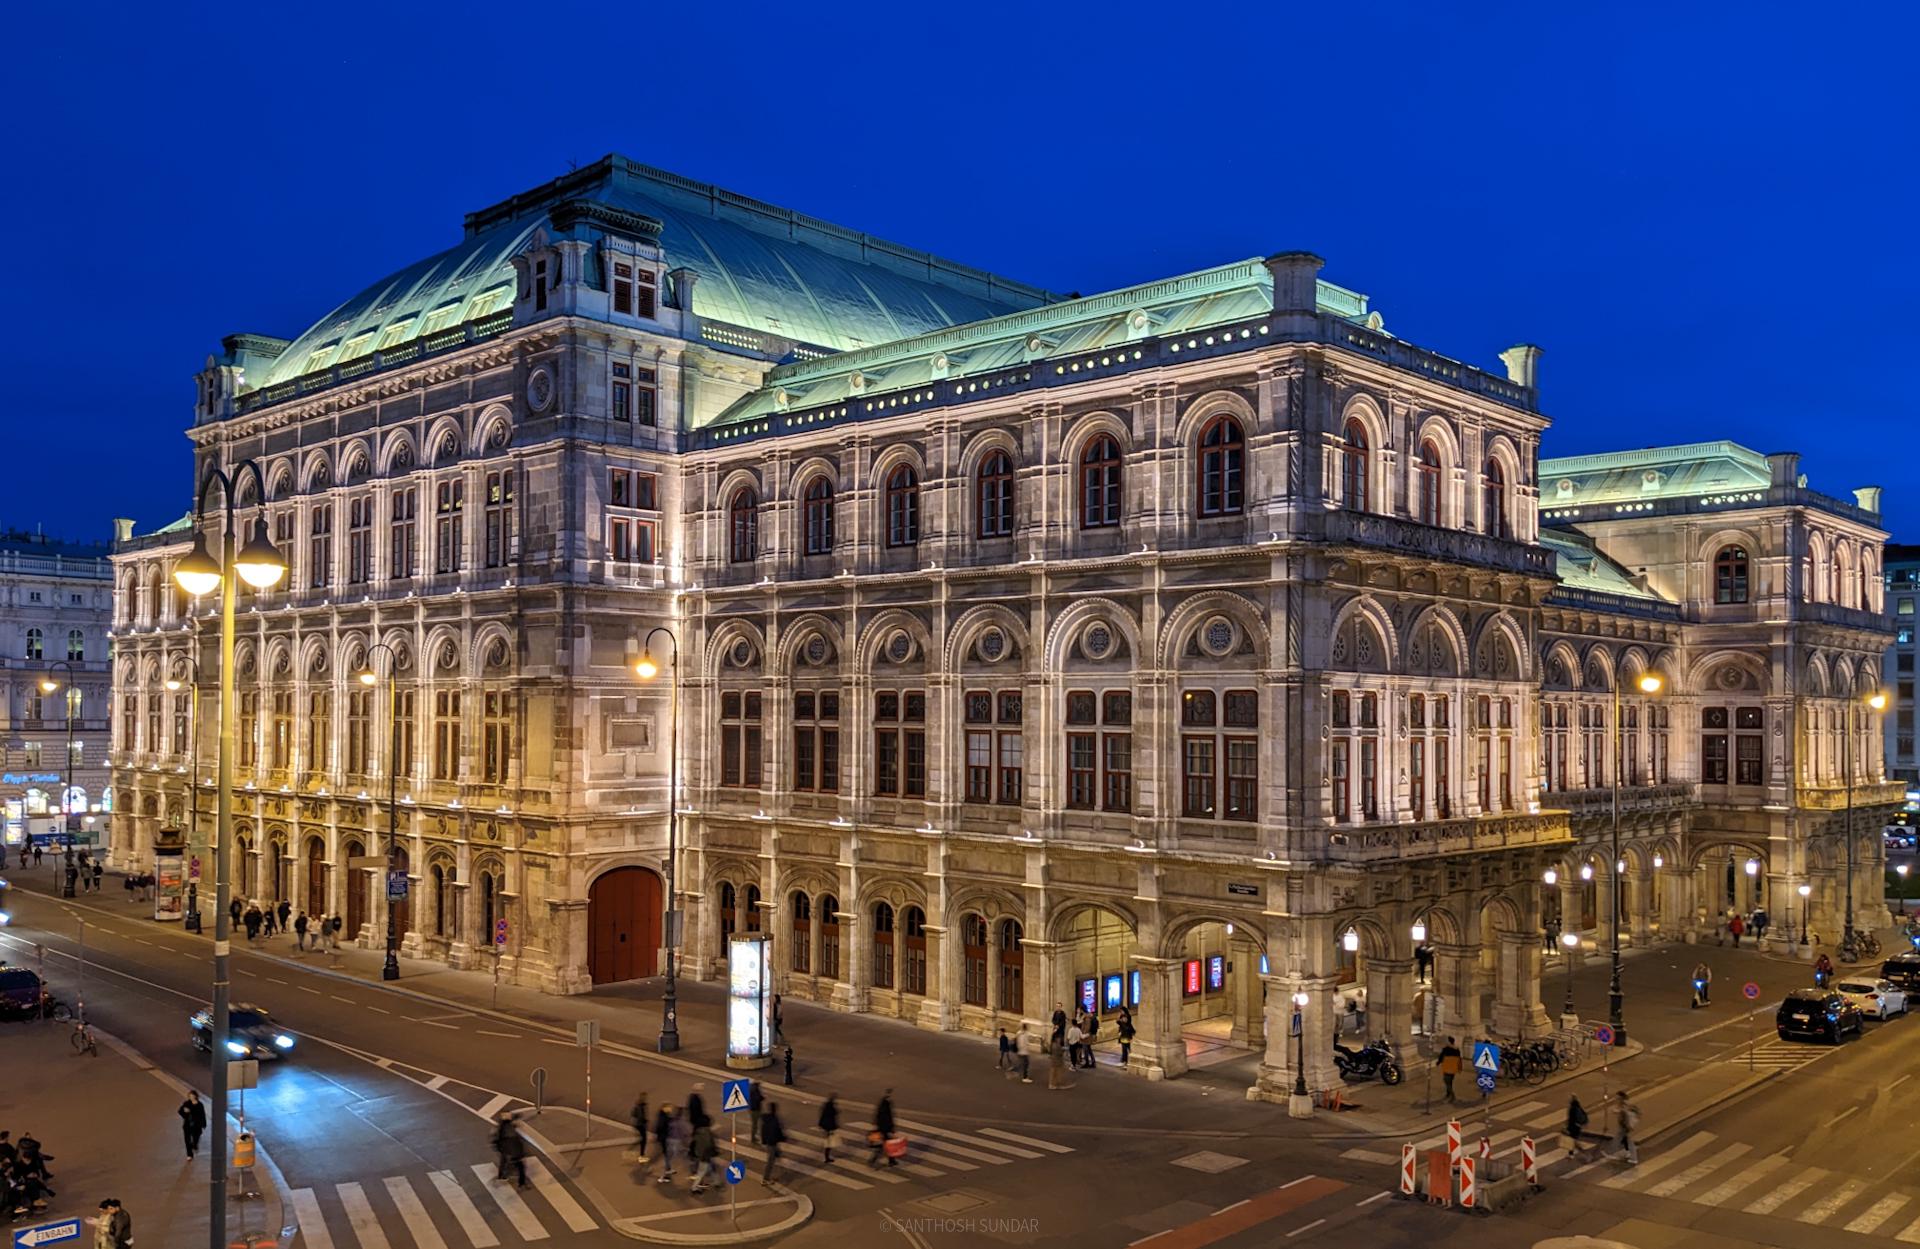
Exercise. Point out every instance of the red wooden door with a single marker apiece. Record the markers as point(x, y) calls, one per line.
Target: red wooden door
point(623, 922)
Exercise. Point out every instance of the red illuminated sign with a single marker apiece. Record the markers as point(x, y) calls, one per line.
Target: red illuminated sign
point(1193, 976)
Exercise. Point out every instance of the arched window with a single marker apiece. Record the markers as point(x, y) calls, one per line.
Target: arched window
point(903, 507)
point(1426, 472)
point(752, 922)
point(728, 918)
point(1353, 465)
point(76, 644)
point(818, 515)
point(995, 495)
point(1222, 468)
point(829, 936)
point(973, 960)
point(743, 526)
point(36, 646)
point(802, 943)
point(1012, 960)
point(1493, 500)
point(1100, 483)
point(1730, 575)
point(882, 946)
point(914, 955)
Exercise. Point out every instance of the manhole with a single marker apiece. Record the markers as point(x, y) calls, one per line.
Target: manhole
point(1210, 1162)
point(953, 1203)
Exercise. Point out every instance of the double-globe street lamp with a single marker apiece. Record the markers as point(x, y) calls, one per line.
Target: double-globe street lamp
point(1649, 684)
point(260, 566)
point(647, 668)
point(390, 970)
point(49, 685)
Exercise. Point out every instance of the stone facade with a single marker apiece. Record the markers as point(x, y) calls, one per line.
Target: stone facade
point(1193, 645)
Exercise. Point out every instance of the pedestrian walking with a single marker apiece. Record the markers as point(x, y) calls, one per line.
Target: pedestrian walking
point(1449, 1066)
point(1627, 1116)
point(829, 1126)
point(284, 909)
point(1074, 1039)
point(663, 1121)
point(512, 1149)
point(32, 1162)
point(638, 1116)
point(300, 931)
point(755, 1099)
point(772, 1133)
point(234, 908)
point(1005, 1062)
point(252, 919)
point(1736, 927)
point(36, 855)
point(193, 1122)
point(114, 1228)
point(697, 1109)
point(1576, 1124)
point(98, 871)
point(788, 1075)
point(882, 1129)
point(1059, 1022)
point(779, 1031)
point(705, 1150)
point(1056, 1071)
point(1125, 1031)
point(1023, 1045)
point(334, 926)
point(266, 920)
point(1093, 1034)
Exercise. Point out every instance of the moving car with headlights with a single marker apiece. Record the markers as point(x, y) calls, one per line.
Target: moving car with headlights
point(251, 1032)
point(1872, 997)
point(1819, 1014)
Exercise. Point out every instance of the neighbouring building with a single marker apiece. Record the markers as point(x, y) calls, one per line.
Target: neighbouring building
point(58, 598)
point(1902, 564)
point(1185, 646)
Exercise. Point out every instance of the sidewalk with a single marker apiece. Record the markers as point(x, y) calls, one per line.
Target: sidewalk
point(108, 1125)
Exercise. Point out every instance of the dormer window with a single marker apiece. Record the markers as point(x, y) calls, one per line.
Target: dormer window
point(441, 317)
point(632, 290)
point(540, 285)
point(395, 334)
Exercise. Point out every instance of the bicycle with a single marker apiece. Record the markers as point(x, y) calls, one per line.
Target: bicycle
point(83, 1039)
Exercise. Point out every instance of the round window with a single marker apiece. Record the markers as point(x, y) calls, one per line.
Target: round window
point(993, 644)
point(899, 648)
point(1098, 642)
point(1217, 636)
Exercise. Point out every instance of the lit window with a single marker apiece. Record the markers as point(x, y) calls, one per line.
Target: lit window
point(1222, 466)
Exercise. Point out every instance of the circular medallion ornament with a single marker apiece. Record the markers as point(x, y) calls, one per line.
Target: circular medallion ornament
point(540, 388)
point(742, 653)
point(1217, 636)
point(816, 649)
point(1098, 642)
point(899, 648)
point(993, 644)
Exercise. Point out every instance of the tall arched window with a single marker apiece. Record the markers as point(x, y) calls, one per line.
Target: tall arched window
point(817, 507)
point(801, 947)
point(1012, 960)
point(903, 506)
point(1100, 483)
point(76, 645)
point(751, 922)
point(1730, 575)
point(913, 922)
point(973, 960)
point(830, 936)
point(882, 946)
point(1222, 468)
point(995, 495)
point(1426, 471)
point(1354, 451)
point(743, 526)
point(729, 920)
point(1493, 500)
point(36, 648)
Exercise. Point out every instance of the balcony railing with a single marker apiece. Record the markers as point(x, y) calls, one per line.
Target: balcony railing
point(1582, 803)
point(1390, 533)
point(1826, 797)
point(1386, 843)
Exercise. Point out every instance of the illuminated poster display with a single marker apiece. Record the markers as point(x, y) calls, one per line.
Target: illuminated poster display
point(169, 886)
point(1089, 999)
point(1192, 986)
point(1110, 996)
point(1217, 972)
point(1133, 987)
point(749, 1025)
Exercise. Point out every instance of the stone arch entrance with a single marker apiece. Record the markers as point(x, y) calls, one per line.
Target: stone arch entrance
point(1095, 945)
point(1218, 968)
point(623, 925)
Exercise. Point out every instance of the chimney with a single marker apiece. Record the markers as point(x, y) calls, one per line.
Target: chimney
point(1785, 467)
point(122, 529)
point(1296, 282)
point(1523, 365)
point(1868, 497)
point(683, 283)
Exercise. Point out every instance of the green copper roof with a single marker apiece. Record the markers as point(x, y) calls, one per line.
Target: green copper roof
point(1074, 327)
point(1580, 566)
point(760, 266)
point(1652, 473)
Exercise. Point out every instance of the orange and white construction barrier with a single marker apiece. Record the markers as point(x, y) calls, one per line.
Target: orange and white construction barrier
point(1453, 1143)
point(1467, 1196)
point(1407, 1156)
point(1529, 1163)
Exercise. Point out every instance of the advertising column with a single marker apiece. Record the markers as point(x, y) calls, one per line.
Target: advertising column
point(749, 1017)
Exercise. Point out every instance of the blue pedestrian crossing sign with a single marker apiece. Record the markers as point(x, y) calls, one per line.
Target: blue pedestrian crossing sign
point(1485, 1080)
point(47, 1234)
point(1486, 1057)
point(736, 1171)
point(733, 1095)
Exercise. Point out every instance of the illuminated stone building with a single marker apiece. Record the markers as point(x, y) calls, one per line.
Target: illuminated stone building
point(1161, 644)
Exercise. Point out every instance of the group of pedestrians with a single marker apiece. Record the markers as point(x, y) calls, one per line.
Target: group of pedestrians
point(24, 1177)
point(82, 870)
point(1626, 1127)
point(673, 1135)
point(319, 933)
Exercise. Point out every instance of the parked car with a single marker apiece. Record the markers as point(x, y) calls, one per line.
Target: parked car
point(1874, 998)
point(251, 1032)
point(24, 996)
point(1904, 971)
point(1818, 1014)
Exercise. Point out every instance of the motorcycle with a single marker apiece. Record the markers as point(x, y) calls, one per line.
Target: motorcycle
point(1375, 1058)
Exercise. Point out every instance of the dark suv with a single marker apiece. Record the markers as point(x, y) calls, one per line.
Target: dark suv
point(1818, 1013)
point(1904, 971)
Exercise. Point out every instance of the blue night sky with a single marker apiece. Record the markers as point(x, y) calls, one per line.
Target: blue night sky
point(1705, 220)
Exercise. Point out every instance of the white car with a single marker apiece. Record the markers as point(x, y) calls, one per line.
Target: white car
point(1876, 999)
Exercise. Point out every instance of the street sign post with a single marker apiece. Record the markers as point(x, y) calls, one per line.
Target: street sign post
point(1486, 1057)
point(586, 1034)
point(736, 1171)
point(47, 1234)
point(1752, 991)
point(397, 885)
point(735, 1096)
point(1486, 1081)
point(539, 1081)
point(1603, 1035)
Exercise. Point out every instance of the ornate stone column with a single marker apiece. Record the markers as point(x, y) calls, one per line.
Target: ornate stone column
point(1390, 1002)
point(856, 966)
point(1517, 1009)
point(1159, 1051)
point(1456, 973)
point(1038, 991)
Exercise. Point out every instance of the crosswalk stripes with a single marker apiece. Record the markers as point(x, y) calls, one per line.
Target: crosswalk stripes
point(414, 1214)
point(464, 1211)
point(1869, 1220)
point(1786, 1192)
point(1910, 1234)
point(365, 1223)
point(1830, 1205)
point(313, 1227)
point(508, 1199)
point(1699, 1171)
point(571, 1212)
point(1741, 1180)
point(1653, 1166)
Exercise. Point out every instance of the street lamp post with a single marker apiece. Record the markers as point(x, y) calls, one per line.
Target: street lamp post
point(390, 969)
point(198, 573)
point(1569, 941)
point(1805, 910)
point(647, 668)
point(1901, 871)
point(47, 686)
point(1616, 1000)
point(192, 917)
point(1876, 701)
point(1302, 1103)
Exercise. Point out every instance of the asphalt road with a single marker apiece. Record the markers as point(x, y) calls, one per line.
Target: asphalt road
point(383, 1101)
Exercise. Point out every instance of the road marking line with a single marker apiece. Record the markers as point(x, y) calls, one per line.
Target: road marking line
point(1371, 1155)
point(1699, 1171)
point(576, 1219)
point(437, 1083)
point(1656, 1165)
point(1303, 1179)
point(1843, 1114)
point(1787, 1191)
point(1376, 1197)
point(1910, 1234)
point(478, 1233)
point(273, 980)
point(511, 1036)
point(313, 1225)
point(1878, 1213)
point(1049, 1146)
point(504, 1196)
point(382, 1011)
point(336, 997)
point(1255, 1211)
point(554, 1040)
point(499, 1103)
point(1309, 1227)
point(419, 1225)
point(1235, 1206)
point(1828, 1206)
point(1724, 1192)
point(434, 1023)
point(366, 1224)
point(1902, 1080)
point(302, 988)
